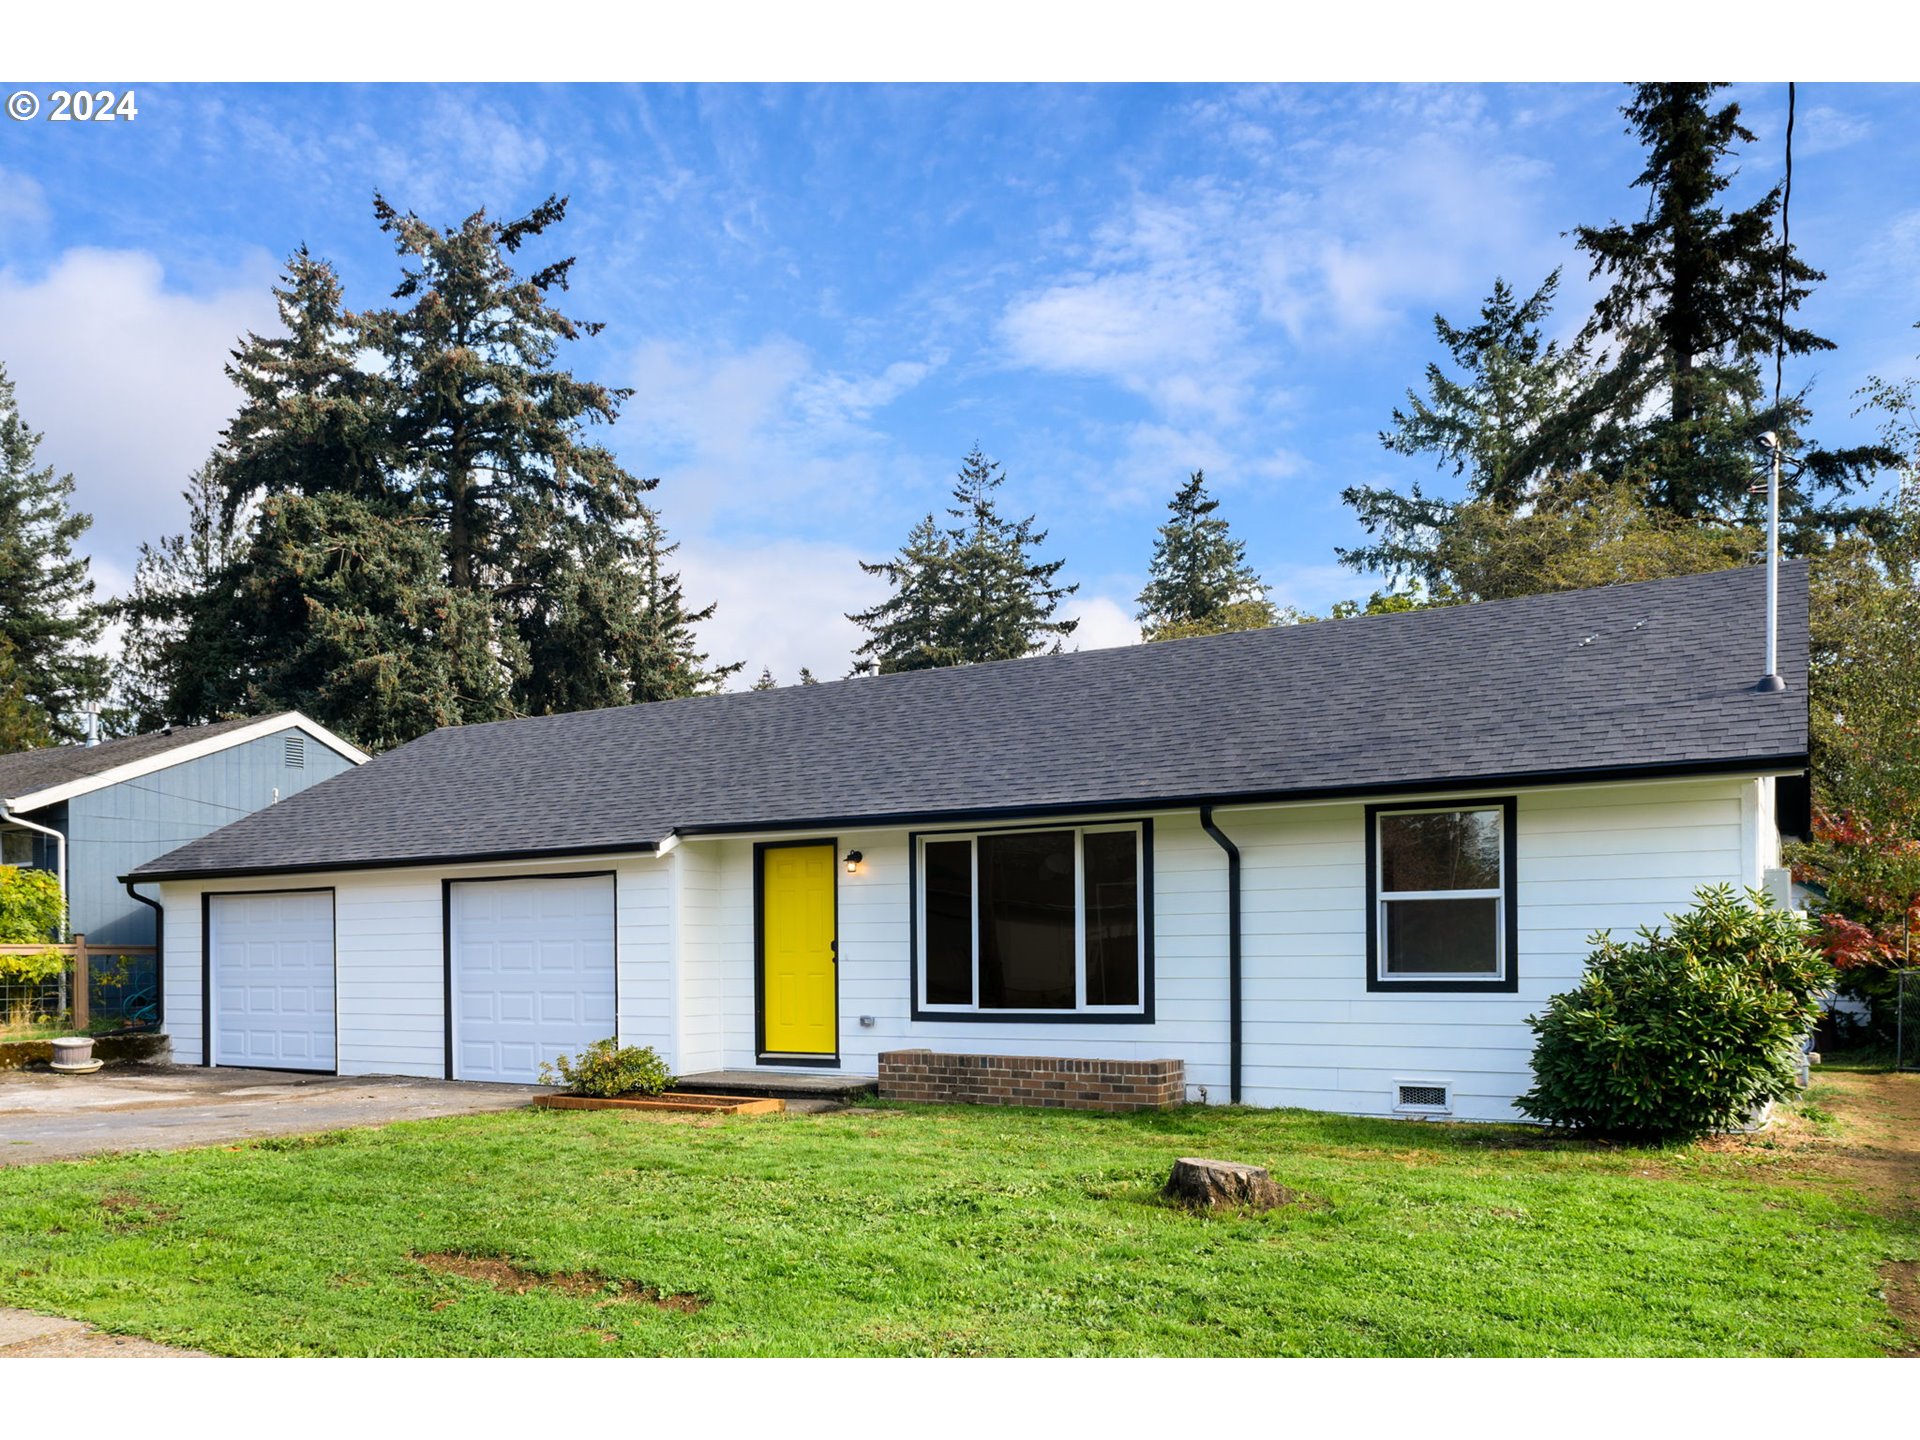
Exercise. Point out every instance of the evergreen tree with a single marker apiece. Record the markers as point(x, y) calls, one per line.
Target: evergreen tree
point(312, 420)
point(348, 620)
point(535, 566)
point(23, 724)
point(806, 676)
point(1004, 599)
point(908, 630)
point(158, 669)
point(1200, 582)
point(1697, 296)
point(48, 618)
point(965, 593)
point(1519, 411)
point(766, 680)
point(665, 661)
point(493, 431)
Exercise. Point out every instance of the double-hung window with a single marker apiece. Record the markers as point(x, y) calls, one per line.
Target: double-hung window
point(1039, 922)
point(1441, 897)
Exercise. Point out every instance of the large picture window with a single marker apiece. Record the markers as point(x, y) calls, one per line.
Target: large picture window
point(1042, 922)
point(1440, 896)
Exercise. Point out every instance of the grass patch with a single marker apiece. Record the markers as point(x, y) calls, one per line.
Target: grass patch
point(951, 1231)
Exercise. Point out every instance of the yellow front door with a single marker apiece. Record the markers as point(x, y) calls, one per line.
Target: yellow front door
point(797, 962)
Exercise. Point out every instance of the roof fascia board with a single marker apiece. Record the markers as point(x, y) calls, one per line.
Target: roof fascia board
point(637, 850)
point(180, 755)
point(1396, 796)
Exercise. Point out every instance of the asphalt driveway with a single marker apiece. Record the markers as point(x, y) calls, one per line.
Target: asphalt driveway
point(44, 1116)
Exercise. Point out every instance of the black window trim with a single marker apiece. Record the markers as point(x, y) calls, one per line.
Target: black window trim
point(1141, 1016)
point(1508, 981)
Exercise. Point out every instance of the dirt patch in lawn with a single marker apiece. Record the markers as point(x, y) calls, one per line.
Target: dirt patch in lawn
point(1871, 1146)
point(514, 1279)
point(1900, 1282)
point(128, 1211)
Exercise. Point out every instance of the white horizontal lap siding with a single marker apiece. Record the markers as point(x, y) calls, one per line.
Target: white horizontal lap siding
point(390, 962)
point(180, 970)
point(717, 978)
point(715, 936)
point(1606, 857)
point(644, 919)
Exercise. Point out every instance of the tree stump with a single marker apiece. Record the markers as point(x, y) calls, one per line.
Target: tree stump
point(1212, 1184)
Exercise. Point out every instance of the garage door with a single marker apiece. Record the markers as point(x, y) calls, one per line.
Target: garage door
point(270, 962)
point(532, 973)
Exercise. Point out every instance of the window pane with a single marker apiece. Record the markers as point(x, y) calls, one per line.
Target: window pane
point(1442, 937)
point(1026, 921)
point(1450, 850)
point(950, 923)
point(1113, 917)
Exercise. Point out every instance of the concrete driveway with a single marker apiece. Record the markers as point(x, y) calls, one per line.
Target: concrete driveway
point(44, 1116)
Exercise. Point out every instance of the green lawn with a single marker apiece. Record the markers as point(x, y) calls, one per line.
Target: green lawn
point(952, 1231)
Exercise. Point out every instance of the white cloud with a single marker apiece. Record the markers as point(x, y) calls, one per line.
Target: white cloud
point(124, 377)
point(1209, 299)
point(1822, 129)
point(781, 604)
point(1104, 623)
point(23, 204)
point(760, 439)
point(1314, 588)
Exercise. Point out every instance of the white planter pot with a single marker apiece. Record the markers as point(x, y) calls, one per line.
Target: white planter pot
point(73, 1055)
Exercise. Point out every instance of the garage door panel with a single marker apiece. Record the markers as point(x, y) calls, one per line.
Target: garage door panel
point(272, 980)
point(533, 973)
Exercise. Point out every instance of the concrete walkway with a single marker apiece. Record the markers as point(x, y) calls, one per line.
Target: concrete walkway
point(44, 1116)
point(27, 1336)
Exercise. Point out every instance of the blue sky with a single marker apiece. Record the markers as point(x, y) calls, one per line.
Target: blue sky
point(823, 296)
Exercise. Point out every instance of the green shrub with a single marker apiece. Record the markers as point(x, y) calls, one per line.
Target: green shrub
point(30, 906)
point(1679, 1033)
point(40, 967)
point(606, 1069)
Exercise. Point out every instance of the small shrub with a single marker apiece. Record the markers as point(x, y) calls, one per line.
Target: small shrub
point(41, 967)
point(606, 1069)
point(1680, 1033)
point(30, 906)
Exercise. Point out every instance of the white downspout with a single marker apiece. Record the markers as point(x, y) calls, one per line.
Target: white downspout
point(59, 852)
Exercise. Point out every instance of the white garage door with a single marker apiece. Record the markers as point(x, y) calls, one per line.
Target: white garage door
point(532, 973)
point(271, 963)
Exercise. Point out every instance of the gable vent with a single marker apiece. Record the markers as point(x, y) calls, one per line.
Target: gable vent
point(296, 752)
point(1425, 1097)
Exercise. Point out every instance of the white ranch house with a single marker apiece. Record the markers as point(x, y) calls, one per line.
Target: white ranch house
point(1333, 865)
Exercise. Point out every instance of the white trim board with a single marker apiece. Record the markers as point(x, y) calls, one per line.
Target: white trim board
point(180, 754)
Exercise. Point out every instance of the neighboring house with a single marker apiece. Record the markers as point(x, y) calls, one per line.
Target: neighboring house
point(92, 812)
point(1333, 865)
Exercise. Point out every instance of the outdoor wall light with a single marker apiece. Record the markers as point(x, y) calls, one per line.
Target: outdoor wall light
point(853, 862)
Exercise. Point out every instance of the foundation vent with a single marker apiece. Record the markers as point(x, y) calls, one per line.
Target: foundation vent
point(1423, 1097)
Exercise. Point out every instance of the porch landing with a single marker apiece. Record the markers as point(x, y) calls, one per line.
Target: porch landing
point(786, 1084)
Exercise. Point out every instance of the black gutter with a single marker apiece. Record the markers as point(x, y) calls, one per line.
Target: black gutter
point(159, 956)
point(1233, 950)
point(1472, 784)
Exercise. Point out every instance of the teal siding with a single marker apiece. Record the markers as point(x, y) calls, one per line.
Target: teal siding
point(112, 830)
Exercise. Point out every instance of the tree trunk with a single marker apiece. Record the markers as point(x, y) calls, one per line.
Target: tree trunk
point(1213, 1184)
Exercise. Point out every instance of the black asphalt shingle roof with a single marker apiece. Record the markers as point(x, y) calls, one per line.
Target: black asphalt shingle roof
point(26, 771)
point(1657, 677)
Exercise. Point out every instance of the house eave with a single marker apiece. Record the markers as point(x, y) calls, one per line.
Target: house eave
point(180, 755)
point(1756, 766)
